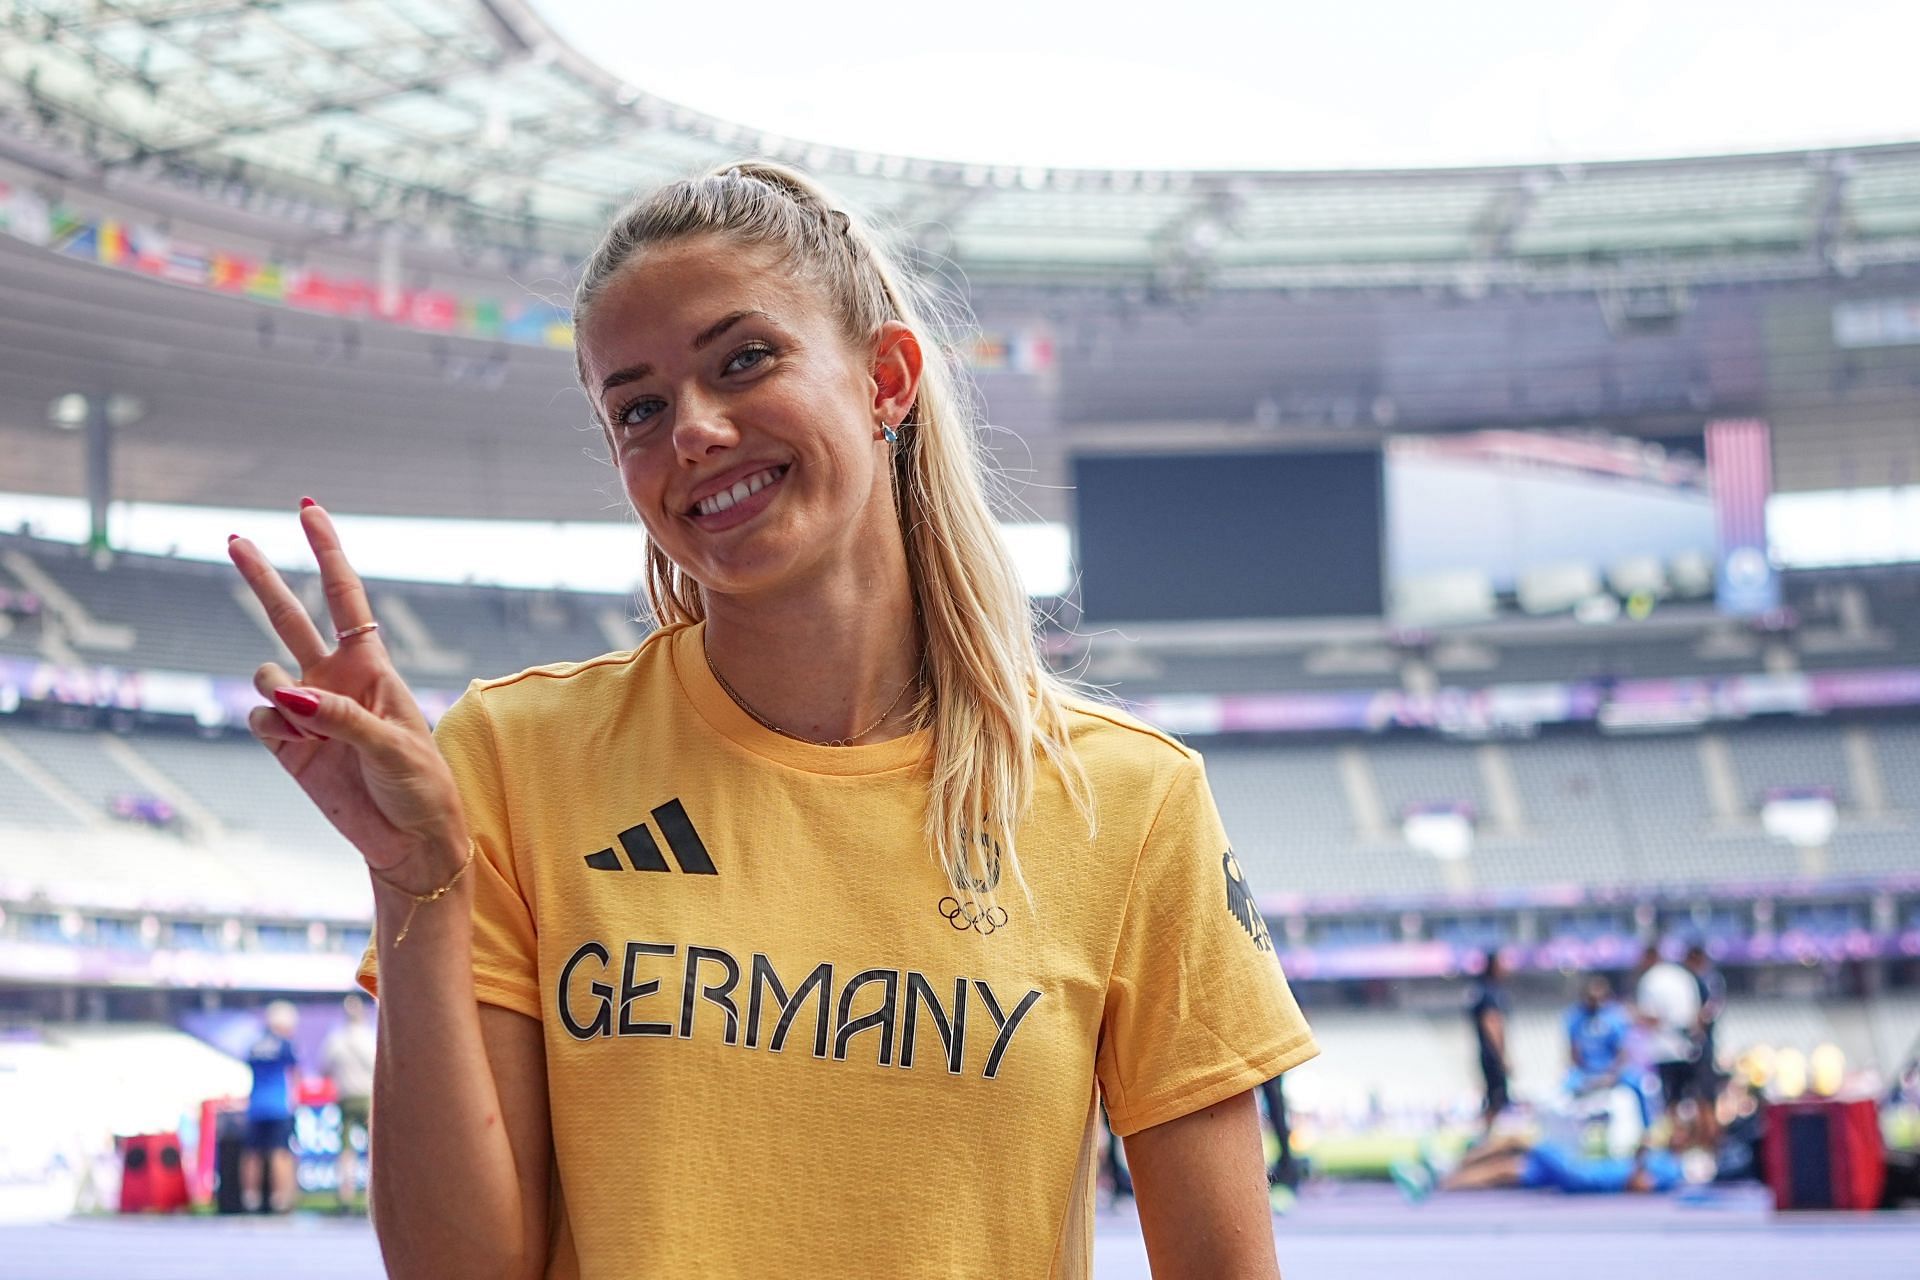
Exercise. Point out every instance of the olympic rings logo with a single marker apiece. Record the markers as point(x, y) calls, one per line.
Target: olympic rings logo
point(971, 915)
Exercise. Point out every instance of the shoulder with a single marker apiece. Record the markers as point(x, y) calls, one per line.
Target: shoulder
point(560, 686)
point(573, 679)
point(1108, 738)
point(1133, 767)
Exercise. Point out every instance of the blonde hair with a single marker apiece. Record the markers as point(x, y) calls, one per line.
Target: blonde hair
point(995, 709)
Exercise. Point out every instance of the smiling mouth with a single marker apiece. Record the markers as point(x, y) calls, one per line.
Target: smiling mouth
point(725, 500)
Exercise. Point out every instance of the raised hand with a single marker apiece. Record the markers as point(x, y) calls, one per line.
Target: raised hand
point(348, 730)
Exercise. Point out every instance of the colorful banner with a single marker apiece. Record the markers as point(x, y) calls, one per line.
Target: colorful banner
point(216, 701)
point(145, 250)
point(533, 322)
point(1028, 351)
point(332, 972)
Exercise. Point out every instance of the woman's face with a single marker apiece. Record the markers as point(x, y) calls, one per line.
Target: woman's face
point(745, 426)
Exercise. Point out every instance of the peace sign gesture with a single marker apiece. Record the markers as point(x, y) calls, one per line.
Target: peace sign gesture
point(348, 729)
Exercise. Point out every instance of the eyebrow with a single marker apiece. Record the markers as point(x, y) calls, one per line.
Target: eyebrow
point(633, 373)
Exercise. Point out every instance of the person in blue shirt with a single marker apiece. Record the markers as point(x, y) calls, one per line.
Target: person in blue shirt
point(1515, 1162)
point(1598, 1031)
point(270, 1112)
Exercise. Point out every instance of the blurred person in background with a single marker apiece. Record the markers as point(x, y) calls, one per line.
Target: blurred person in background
point(1488, 1009)
point(1604, 1087)
point(349, 1061)
point(1283, 1172)
point(1514, 1161)
point(1705, 1086)
point(269, 1142)
point(843, 734)
point(1598, 1032)
point(1667, 1001)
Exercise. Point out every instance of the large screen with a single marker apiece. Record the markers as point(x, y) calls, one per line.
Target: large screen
point(1184, 537)
point(1482, 522)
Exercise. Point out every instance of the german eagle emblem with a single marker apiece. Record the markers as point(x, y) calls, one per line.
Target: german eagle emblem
point(1240, 903)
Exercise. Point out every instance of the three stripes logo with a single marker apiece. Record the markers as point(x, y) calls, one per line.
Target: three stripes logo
point(643, 852)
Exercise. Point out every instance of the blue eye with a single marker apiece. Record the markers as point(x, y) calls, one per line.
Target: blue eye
point(627, 416)
point(758, 350)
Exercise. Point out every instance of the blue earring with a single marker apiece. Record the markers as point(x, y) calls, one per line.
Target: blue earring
point(893, 437)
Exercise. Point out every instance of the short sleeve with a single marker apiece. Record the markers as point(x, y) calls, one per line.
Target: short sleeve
point(505, 952)
point(1197, 1009)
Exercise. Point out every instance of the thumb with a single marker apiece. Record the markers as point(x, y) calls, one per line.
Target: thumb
point(332, 714)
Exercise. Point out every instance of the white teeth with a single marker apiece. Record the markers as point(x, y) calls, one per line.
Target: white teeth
point(741, 491)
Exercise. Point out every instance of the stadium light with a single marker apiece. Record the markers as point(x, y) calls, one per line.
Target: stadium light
point(1804, 817)
point(1443, 832)
point(68, 412)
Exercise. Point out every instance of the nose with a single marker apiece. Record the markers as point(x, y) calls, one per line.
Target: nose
point(701, 429)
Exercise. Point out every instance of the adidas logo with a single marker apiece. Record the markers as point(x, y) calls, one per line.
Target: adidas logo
point(643, 853)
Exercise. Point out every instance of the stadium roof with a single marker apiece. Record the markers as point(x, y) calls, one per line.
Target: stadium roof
point(470, 121)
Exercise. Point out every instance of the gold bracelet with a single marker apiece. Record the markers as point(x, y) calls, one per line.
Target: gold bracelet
point(422, 899)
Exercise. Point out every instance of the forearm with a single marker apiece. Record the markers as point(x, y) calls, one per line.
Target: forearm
point(445, 1197)
point(1200, 1182)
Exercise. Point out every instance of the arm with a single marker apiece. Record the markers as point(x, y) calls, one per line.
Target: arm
point(1202, 1188)
point(462, 1146)
point(450, 1143)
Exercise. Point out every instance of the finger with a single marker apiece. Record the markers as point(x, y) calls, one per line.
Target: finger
point(346, 598)
point(335, 716)
point(271, 676)
point(288, 617)
point(272, 728)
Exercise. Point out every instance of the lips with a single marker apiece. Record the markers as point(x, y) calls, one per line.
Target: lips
point(738, 497)
point(725, 499)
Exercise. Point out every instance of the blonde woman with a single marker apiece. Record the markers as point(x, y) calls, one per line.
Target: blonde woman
point(805, 938)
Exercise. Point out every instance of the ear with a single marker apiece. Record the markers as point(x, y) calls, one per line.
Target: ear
point(896, 372)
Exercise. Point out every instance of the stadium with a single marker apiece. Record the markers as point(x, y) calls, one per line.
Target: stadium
point(1532, 553)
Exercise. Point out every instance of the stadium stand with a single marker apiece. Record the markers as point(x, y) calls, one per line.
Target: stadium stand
point(161, 613)
point(1610, 211)
point(183, 618)
point(1808, 755)
point(1899, 756)
point(1883, 196)
point(1315, 817)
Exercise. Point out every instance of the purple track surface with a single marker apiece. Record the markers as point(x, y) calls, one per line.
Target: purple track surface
point(1350, 1232)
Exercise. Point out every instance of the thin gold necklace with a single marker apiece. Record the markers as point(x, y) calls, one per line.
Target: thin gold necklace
point(765, 723)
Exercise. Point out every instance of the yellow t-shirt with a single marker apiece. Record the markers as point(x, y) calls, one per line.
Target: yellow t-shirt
point(779, 1041)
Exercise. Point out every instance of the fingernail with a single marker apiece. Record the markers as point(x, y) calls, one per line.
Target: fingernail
point(298, 701)
point(308, 502)
point(233, 538)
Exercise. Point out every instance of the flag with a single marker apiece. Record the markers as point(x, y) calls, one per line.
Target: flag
point(1740, 469)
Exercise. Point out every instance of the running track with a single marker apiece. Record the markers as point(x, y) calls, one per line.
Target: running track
point(1354, 1232)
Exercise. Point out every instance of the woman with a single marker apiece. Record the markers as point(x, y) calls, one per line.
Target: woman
point(803, 939)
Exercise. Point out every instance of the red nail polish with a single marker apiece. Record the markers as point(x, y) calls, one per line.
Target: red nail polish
point(308, 502)
point(298, 701)
point(233, 537)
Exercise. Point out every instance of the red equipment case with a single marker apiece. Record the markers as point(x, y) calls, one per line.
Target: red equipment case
point(151, 1178)
point(1825, 1154)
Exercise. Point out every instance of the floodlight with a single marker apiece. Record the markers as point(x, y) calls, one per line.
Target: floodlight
point(68, 412)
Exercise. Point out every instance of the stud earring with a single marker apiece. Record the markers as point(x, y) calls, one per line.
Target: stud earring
point(892, 436)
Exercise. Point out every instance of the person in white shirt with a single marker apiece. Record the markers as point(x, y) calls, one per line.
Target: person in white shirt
point(1668, 1001)
point(349, 1060)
